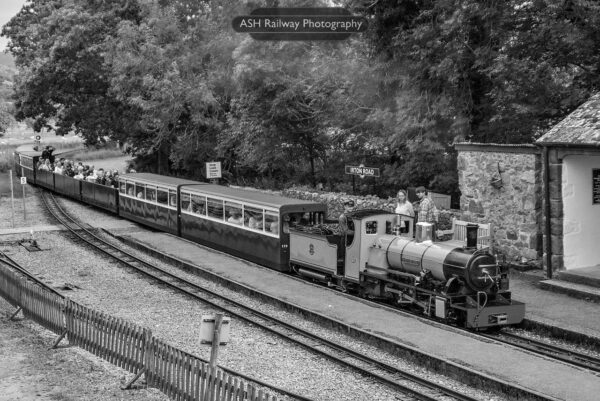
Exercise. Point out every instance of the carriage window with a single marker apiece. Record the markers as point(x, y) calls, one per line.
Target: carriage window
point(130, 188)
point(172, 198)
point(122, 187)
point(198, 204)
point(162, 196)
point(253, 218)
point(233, 213)
point(371, 227)
point(185, 202)
point(151, 194)
point(215, 208)
point(272, 222)
point(140, 191)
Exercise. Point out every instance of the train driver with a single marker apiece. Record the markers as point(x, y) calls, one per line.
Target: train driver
point(346, 225)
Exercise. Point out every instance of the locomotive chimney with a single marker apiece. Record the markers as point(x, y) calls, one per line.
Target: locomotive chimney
point(472, 235)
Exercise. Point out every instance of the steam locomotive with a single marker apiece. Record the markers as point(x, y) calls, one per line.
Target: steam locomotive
point(454, 282)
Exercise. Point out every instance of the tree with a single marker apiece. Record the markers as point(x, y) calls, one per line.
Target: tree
point(58, 47)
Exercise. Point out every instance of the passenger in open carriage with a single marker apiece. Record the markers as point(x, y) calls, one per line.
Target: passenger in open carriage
point(80, 175)
point(101, 178)
point(47, 154)
point(46, 166)
point(69, 171)
point(108, 178)
point(59, 168)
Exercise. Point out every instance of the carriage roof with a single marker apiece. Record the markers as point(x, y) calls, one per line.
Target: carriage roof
point(283, 203)
point(235, 194)
point(157, 179)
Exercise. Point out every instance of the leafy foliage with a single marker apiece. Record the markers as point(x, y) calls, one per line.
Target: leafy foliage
point(180, 87)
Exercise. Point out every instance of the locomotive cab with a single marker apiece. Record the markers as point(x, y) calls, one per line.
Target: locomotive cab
point(369, 226)
point(337, 259)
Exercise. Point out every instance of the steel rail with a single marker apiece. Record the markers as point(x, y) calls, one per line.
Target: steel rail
point(549, 350)
point(68, 222)
point(310, 341)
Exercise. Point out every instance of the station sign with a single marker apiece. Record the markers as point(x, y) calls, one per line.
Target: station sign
point(23, 180)
point(362, 171)
point(213, 170)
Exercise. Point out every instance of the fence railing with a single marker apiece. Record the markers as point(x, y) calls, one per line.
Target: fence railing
point(119, 342)
point(179, 375)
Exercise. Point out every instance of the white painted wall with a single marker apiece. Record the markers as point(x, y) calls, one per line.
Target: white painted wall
point(581, 223)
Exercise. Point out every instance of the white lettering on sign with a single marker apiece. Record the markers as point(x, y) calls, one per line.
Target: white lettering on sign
point(362, 171)
point(23, 180)
point(213, 170)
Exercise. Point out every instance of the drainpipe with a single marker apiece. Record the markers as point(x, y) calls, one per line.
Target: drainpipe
point(547, 212)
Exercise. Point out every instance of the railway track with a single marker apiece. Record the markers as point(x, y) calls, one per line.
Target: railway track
point(549, 350)
point(409, 384)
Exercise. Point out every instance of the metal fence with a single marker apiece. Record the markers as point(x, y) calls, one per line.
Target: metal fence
point(179, 375)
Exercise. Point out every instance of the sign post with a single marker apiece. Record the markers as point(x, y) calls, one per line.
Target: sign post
point(214, 329)
point(12, 198)
point(213, 172)
point(23, 184)
point(362, 172)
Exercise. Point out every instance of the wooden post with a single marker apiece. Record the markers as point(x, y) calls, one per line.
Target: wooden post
point(12, 198)
point(216, 340)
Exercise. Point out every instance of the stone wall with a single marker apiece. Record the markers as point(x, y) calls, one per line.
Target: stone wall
point(501, 184)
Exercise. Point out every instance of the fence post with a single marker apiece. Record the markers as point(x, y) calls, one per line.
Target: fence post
point(12, 198)
point(212, 365)
point(146, 358)
point(214, 352)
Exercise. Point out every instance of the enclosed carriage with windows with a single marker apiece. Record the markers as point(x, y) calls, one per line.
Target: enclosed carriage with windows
point(248, 224)
point(151, 199)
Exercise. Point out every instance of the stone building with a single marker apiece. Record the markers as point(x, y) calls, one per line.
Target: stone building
point(549, 190)
point(501, 184)
point(571, 155)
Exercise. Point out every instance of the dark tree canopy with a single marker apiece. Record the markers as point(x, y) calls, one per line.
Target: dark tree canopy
point(180, 87)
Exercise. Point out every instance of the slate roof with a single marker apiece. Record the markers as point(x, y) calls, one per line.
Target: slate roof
point(581, 127)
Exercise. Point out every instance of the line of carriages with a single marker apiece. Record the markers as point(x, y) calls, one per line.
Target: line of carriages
point(101, 196)
point(169, 209)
